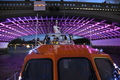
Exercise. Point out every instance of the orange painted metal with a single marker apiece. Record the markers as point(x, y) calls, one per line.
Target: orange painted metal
point(55, 52)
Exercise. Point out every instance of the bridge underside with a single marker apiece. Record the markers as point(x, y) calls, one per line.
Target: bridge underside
point(87, 27)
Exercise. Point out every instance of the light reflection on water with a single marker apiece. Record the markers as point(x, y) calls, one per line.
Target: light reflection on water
point(12, 51)
point(18, 49)
point(12, 61)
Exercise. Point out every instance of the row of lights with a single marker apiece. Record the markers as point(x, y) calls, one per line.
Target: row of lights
point(94, 9)
point(83, 5)
point(13, 29)
point(97, 33)
point(80, 26)
point(9, 8)
point(15, 4)
point(4, 31)
point(42, 30)
point(106, 32)
point(86, 35)
point(32, 19)
point(58, 4)
point(21, 26)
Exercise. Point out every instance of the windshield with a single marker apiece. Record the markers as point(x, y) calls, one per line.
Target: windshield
point(75, 69)
point(105, 68)
point(58, 39)
point(38, 69)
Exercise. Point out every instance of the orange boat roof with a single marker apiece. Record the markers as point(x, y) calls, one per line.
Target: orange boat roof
point(66, 49)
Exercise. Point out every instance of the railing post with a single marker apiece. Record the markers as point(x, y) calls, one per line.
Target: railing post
point(15, 76)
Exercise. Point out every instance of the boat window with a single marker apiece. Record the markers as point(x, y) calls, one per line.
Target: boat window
point(38, 69)
point(105, 68)
point(58, 39)
point(75, 69)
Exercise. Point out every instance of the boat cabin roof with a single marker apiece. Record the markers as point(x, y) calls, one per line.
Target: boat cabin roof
point(65, 49)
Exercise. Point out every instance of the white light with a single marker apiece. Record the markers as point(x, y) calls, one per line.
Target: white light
point(97, 49)
point(30, 51)
point(20, 78)
point(115, 65)
point(101, 50)
point(27, 46)
point(35, 51)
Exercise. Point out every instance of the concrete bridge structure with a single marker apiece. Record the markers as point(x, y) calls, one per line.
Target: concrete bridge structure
point(99, 22)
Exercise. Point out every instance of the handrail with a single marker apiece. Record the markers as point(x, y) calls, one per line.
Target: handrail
point(13, 77)
point(29, 5)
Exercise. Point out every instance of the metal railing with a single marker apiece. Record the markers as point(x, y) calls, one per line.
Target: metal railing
point(29, 5)
point(14, 76)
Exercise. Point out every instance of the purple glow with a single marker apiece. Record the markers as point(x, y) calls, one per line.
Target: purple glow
point(108, 42)
point(3, 44)
point(81, 26)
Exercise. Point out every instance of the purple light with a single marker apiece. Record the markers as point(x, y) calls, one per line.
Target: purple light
point(18, 26)
point(14, 19)
point(80, 26)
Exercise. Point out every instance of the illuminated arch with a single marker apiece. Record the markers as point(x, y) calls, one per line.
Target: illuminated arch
point(17, 27)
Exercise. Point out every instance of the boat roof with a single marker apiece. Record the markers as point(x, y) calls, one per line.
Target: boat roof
point(66, 49)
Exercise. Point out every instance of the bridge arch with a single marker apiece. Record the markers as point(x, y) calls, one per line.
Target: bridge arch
point(90, 28)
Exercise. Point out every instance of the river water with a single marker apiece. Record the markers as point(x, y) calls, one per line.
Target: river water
point(12, 61)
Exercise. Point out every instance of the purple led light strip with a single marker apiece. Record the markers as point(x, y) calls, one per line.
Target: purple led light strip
point(88, 28)
point(20, 26)
point(65, 22)
point(8, 28)
point(15, 29)
point(73, 26)
point(26, 19)
point(8, 33)
point(69, 23)
point(109, 32)
point(81, 25)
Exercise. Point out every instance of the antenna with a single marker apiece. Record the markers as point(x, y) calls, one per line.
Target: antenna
point(90, 37)
point(56, 22)
point(48, 26)
point(36, 30)
point(64, 19)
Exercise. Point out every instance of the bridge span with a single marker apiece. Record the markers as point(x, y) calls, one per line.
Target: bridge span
point(101, 20)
